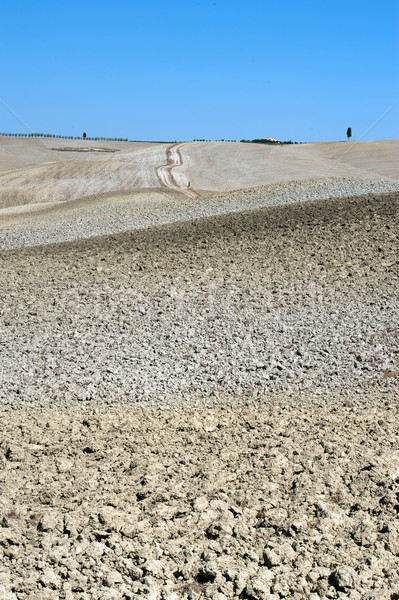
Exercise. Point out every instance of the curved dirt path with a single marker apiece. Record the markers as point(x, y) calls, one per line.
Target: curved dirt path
point(165, 175)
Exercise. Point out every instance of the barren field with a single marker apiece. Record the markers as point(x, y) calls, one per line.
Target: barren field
point(46, 175)
point(225, 166)
point(199, 392)
point(22, 152)
point(268, 500)
point(35, 171)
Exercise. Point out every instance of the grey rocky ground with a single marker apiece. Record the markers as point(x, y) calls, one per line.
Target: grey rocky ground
point(205, 409)
point(284, 299)
point(103, 214)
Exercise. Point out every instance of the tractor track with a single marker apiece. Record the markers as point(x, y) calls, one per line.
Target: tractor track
point(165, 172)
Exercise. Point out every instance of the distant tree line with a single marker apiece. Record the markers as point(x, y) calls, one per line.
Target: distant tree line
point(270, 142)
point(202, 140)
point(65, 137)
point(119, 139)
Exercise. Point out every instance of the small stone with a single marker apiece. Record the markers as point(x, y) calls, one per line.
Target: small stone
point(95, 550)
point(271, 558)
point(48, 522)
point(50, 579)
point(12, 551)
point(343, 578)
point(155, 568)
point(364, 535)
point(15, 453)
point(113, 578)
point(108, 595)
point(4, 595)
point(77, 580)
point(258, 587)
point(215, 530)
point(131, 570)
point(200, 503)
point(208, 572)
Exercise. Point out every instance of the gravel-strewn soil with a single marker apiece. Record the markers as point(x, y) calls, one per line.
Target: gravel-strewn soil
point(290, 298)
point(137, 209)
point(205, 409)
point(260, 500)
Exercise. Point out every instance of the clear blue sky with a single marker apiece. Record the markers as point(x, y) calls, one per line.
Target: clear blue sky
point(166, 70)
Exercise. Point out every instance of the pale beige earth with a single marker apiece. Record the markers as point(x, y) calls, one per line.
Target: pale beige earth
point(267, 500)
point(21, 152)
point(225, 165)
point(34, 171)
point(51, 176)
point(207, 408)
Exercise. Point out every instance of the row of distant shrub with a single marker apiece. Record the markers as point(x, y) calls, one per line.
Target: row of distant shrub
point(260, 141)
point(107, 139)
point(271, 142)
point(214, 140)
point(64, 137)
